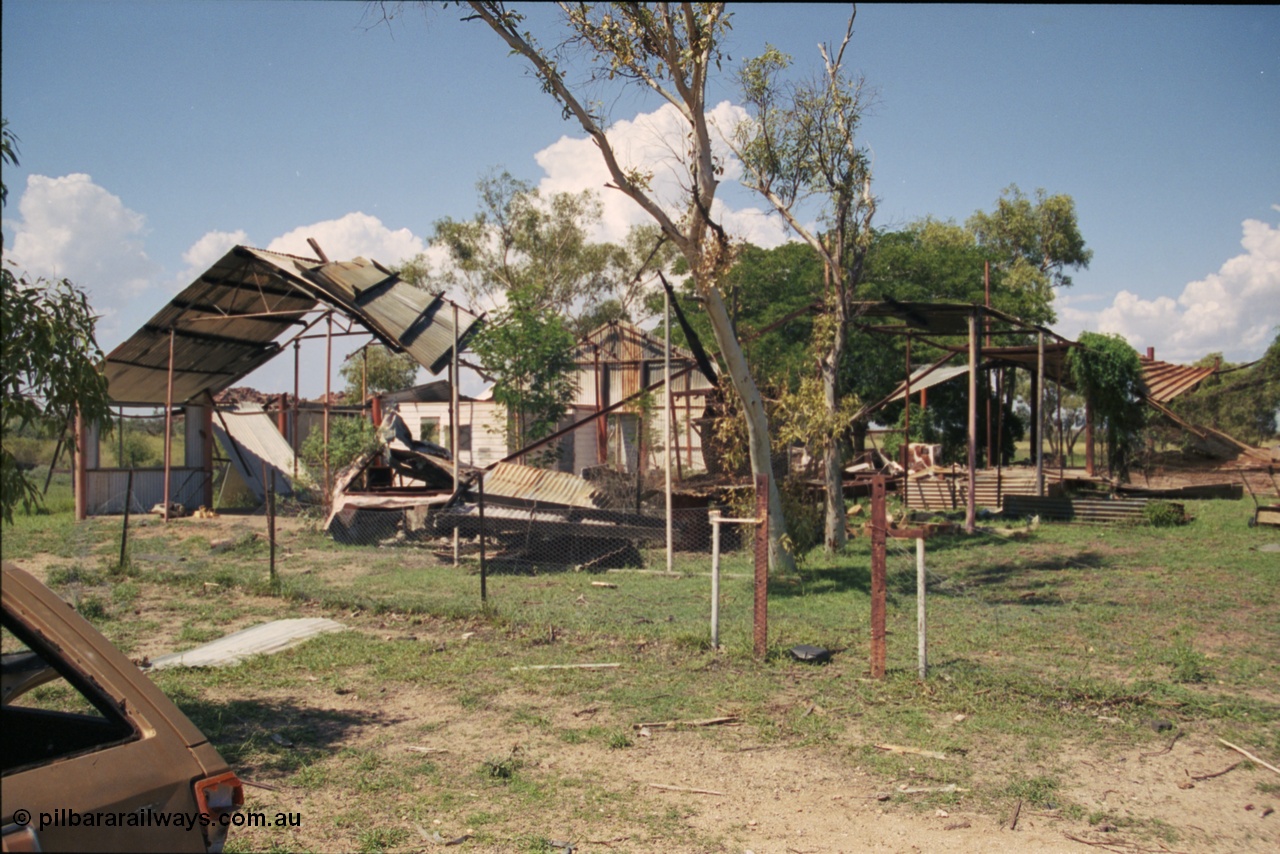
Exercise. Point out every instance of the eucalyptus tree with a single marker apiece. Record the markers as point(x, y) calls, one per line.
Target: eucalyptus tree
point(801, 145)
point(50, 362)
point(670, 50)
point(520, 241)
point(1035, 241)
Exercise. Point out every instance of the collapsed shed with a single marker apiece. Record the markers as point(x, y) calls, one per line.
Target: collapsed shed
point(245, 310)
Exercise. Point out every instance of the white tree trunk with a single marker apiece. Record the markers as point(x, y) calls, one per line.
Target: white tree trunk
point(757, 423)
point(833, 529)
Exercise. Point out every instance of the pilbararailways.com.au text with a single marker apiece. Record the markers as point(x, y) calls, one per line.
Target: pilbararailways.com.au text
point(185, 820)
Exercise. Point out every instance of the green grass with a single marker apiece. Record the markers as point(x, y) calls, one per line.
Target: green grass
point(1032, 640)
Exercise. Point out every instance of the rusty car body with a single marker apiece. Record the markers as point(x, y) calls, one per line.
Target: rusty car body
point(95, 757)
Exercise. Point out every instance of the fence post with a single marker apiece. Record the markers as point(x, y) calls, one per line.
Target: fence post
point(878, 583)
point(269, 481)
point(124, 534)
point(760, 631)
point(715, 580)
point(484, 593)
point(922, 645)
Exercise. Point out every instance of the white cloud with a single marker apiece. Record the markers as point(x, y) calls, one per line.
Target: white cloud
point(356, 234)
point(72, 228)
point(652, 142)
point(205, 252)
point(1235, 311)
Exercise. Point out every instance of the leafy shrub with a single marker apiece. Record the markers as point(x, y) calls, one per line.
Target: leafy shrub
point(1164, 514)
point(349, 439)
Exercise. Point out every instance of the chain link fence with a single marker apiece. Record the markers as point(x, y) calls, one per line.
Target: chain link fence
point(533, 538)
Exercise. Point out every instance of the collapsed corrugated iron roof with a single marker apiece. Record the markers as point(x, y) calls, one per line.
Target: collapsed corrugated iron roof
point(540, 486)
point(1165, 381)
point(225, 324)
point(251, 440)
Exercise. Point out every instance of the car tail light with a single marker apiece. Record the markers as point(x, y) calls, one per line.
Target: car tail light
point(217, 797)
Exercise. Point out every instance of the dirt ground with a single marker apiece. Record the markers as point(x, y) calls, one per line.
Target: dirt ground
point(761, 797)
point(733, 793)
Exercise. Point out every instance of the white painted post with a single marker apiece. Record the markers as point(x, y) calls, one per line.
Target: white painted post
point(715, 580)
point(920, 623)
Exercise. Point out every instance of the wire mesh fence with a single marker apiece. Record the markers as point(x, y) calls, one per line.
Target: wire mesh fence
point(533, 538)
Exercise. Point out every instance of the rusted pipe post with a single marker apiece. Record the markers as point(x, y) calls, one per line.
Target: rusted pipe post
point(206, 452)
point(760, 625)
point(986, 328)
point(80, 467)
point(293, 435)
point(970, 503)
point(124, 532)
point(668, 429)
point(1038, 416)
point(484, 592)
point(454, 451)
point(168, 426)
point(878, 577)
point(269, 481)
point(1088, 437)
point(328, 376)
point(906, 433)
point(999, 436)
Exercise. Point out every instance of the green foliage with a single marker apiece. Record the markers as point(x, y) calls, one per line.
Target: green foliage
point(528, 349)
point(376, 369)
point(349, 439)
point(1036, 241)
point(761, 290)
point(49, 361)
point(519, 241)
point(804, 514)
point(1107, 371)
point(138, 452)
point(1243, 402)
point(1164, 514)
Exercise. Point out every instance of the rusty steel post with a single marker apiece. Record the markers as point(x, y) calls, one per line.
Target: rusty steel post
point(484, 592)
point(168, 427)
point(879, 557)
point(1037, 415)
point(970, 502)
point(206, 452)
point(328, 377)
point(986, 343)
point(760, 624)
point(293, 433)
point(1088, 438)
point(906, 433)
point(124, 532)
point(79, 467)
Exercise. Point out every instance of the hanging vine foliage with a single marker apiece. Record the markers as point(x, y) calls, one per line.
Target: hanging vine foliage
point(1107, 371)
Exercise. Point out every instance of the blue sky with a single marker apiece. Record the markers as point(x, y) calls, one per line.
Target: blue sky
point(155, 135)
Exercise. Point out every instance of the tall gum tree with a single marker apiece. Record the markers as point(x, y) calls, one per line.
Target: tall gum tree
point(801, 144)
point(671, 50)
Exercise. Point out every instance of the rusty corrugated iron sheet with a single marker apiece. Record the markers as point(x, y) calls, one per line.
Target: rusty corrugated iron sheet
point(216, 341)
point(251, 440)
point(539, 486)
point(416, 320)
point(1165, 381)
point(225, 324)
